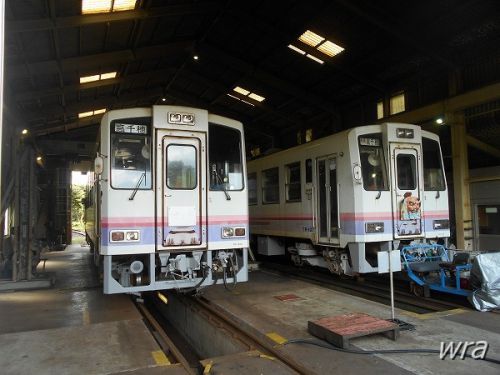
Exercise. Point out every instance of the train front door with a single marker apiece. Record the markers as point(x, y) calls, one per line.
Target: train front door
point(406, 189)
point(181, 181)
point(328, 213)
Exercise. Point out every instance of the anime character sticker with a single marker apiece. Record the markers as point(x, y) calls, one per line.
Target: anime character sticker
point(410, 207)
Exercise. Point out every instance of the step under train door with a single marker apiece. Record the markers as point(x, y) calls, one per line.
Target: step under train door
point(406, 181)
point(182, 204)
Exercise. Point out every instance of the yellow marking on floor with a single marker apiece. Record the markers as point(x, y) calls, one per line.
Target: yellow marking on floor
point(207, 368)
point(435, 315)
point(160, 358)
point(276, 338)
point(86, 317)
point(267, 357)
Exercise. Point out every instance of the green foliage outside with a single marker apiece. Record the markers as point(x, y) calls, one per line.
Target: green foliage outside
point(77, 208)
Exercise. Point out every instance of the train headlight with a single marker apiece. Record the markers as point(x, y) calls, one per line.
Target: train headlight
point(374, 227)
point(117, 236)
point(227, 232)
point(441, 224)
point(125, 236)
point(404, 133)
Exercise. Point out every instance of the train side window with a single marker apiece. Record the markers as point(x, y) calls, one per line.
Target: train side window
point(433, 167)
point(270, 186)
point(252, 188)
point(407, 172)
point(292, 182)
point(181, 167)
point(309, 170)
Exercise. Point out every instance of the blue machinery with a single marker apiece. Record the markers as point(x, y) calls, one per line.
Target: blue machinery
point(430, 268)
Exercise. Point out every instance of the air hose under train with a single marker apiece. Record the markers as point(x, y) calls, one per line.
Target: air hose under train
point(386, 351)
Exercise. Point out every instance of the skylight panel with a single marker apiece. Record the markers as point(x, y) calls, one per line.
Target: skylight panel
point(256, 97)
point(329, 48)
point(310, 38)
point(91, 113)
point(247, 94)
point(241, 90)
point(121, 5)
point(96, 6)
point(98, 77)
point(88, 79)
point(107, 6)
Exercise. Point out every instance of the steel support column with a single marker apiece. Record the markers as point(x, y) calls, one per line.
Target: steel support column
point(463, 213)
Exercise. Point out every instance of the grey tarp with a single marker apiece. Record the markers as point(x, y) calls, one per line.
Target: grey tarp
point(485, 282)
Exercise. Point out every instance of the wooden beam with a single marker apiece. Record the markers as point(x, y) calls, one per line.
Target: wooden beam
point(482, 146)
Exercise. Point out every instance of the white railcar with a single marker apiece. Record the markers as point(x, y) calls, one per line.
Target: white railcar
point(337, 201)
point(169, 208)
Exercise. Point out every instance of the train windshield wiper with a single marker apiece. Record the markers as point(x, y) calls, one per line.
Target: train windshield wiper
point(220, 181)
point(132, 196)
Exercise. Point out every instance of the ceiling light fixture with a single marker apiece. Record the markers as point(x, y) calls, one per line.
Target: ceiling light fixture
point(314, 58)
point(24, 131)
point(241, 90)
point(439, 121)
point(296, 49)
point(247, 94)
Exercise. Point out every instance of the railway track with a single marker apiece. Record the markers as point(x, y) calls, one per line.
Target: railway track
point(175, 349)
point(373, 289)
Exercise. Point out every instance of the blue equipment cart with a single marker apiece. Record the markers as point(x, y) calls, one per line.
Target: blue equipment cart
point(429, 268)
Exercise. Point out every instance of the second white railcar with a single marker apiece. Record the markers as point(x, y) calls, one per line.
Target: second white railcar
point(337, 201)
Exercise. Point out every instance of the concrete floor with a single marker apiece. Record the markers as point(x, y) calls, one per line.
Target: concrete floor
point(254, 304)
point(73, 328)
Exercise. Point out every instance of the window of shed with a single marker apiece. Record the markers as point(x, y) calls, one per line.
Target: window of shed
point(397, 103)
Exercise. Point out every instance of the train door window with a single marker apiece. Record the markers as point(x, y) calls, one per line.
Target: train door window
point(131, 154)
point(252, 188)
point(372, 162)
point(181, 167)
point(489, 219)
point(407, 172)
point(270, 186)
point(309, 170)
point(292, 182)
point(224, 158)
point(433, 168)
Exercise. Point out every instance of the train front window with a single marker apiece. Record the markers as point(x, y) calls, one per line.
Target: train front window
point(372, 162)
point(433, 168)
point(181, 167)
point(130, 155)
point(225, 158)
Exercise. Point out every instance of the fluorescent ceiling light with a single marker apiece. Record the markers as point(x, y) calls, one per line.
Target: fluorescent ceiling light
point(99, 111)
point(106, 6)
point(314, 58)
point(330, 49)
point(310, 38)
point(256, 97)
point(298, 50)
point(241, 90)
point(98, 77)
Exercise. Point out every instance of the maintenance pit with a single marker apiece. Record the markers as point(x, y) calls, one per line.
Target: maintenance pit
point(59, 329)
